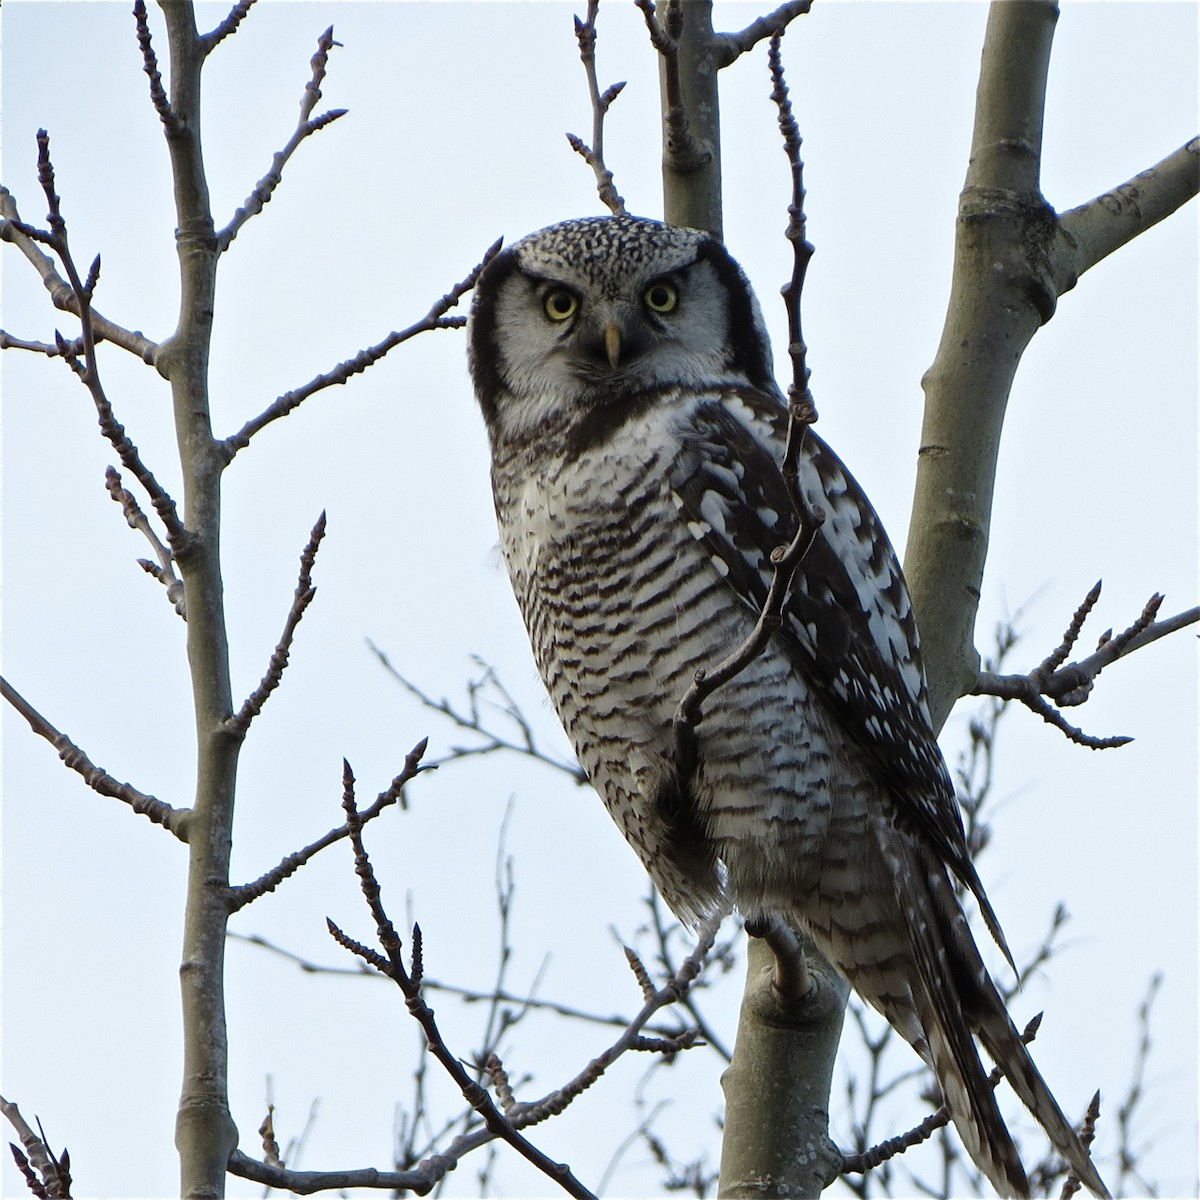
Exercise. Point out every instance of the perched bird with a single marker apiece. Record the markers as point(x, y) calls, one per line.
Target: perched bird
point(637, 435)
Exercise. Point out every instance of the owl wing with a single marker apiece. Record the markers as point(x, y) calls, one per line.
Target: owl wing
point(848, 622)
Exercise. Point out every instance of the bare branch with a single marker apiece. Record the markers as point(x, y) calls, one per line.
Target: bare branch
point(856, 1164)
point(674, 989)
point(238, 897)
point(172, 819)
point(1087, 1135)
point(466, 994)
point(474, 721)
point(239, 723)
point(1052, 683)
point(733, 45)
point(722, 955)
point(307, 125)
point(55, 1182)
point(61, 349)
point(1128, 1156)
point(801, 414)
point(164, 569)
point(228, 26)
point(342, 373)
point(792, 980)
point(420, 1180)
point(593, 155)
point(1092, 231)
point(495, 1121)
point(158, 95)
point(682, 151)
point(88, 369)
point(62, 295)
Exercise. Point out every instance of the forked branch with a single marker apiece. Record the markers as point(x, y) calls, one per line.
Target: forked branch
point(37, 1159)
point(1056, 682)
point(62, 294)
point(86, 366)
point(240, 896)
point(593, 155)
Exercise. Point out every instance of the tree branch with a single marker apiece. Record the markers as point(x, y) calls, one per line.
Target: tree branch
point(731, 46)
point(164, 569)
point(473, 720)
point(239, 723)
point(62, 294)
point(691, 126)
point(246, 893)
point(593, 155)
point(435, 318)
point(175, 820)
point(227, 27)
point(409, 982)
point(1071, 684)
point(307, 125)
point(1094, 230)
point(1013, 258)
point(1000, 294)
point(55, 1172)
point(856, 1164)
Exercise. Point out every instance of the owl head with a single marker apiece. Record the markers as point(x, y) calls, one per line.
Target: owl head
point(604, 310)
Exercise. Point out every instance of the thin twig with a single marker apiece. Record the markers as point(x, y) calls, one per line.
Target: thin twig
point(393, 966)
point(164, 569)
point(467, 995)
point(1128, 1156)
point(801, 414)
point(88, 370)
point(237, 14)
point(344, 371)
point(593, 155)
point(239, 723)
point(1087, 1135)
point(731, 46)
point(669, 993)
point(158, 94)
point(856, 1164)
point(264, 189)
point(475, 723)
point(238, 897)
point(55, 1172)
point(62, 295)
point(721, 955)
point(99, 780)
point(1052, 682)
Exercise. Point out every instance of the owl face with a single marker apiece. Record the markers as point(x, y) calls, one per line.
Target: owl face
point(604, 311)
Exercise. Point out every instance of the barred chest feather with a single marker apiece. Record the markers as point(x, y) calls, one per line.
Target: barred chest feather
point(623, 604)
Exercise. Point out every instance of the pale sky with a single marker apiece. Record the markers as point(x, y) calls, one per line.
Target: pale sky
point(455, 137)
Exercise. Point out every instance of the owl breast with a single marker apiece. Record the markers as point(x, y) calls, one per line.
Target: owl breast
point(623, 606)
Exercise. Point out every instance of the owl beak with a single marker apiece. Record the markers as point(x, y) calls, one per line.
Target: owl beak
point(612, 343)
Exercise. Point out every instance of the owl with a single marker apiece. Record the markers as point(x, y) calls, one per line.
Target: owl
point(637, 434)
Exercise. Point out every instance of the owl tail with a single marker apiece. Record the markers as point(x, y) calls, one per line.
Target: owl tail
point(955, 998)
point(1005, 1046)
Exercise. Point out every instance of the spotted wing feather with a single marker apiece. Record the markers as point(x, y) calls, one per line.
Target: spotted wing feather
point(848, 622)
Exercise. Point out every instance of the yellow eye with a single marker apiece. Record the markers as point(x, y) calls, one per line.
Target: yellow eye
point(560, 304)
point(661, 297)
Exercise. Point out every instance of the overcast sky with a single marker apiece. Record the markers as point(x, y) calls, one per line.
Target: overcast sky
point(455, 137)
